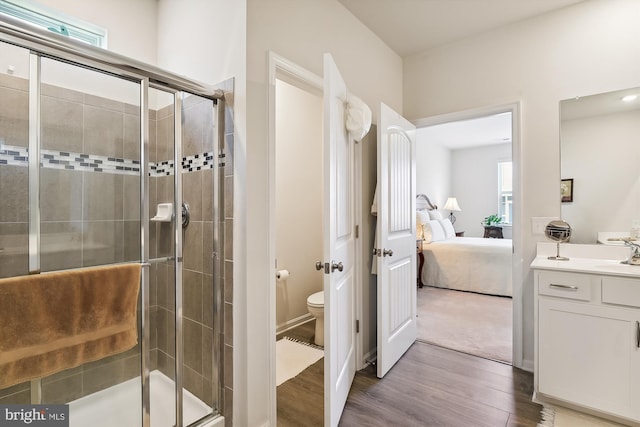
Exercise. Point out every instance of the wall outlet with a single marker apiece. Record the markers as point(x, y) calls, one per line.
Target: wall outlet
point(539, 223)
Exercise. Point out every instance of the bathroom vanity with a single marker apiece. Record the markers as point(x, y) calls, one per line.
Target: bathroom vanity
point(587, 330)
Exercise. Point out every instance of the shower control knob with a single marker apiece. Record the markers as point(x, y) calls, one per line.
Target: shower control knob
point(336, 266)
point(387, 252)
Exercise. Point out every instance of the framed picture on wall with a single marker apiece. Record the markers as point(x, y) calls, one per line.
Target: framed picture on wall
point(566, 190)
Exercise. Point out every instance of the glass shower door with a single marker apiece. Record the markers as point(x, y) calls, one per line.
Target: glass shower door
point(182, 339)
point(200, 363)
point(162, 272)
point(89, 215)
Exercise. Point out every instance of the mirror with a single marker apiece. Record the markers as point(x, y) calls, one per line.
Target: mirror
point(600, 153)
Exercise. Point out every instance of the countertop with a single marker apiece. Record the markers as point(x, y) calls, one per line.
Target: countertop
point(587, 265)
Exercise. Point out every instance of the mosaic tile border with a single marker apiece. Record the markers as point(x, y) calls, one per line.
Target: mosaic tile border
point(19, 156)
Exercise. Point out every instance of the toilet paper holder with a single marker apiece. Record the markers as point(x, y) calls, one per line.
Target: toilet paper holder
point(282, 275)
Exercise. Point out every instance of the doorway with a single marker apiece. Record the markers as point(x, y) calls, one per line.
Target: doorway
point(473, 156)
point(298, 240)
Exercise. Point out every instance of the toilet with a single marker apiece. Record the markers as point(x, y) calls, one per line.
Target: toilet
point(315, 305)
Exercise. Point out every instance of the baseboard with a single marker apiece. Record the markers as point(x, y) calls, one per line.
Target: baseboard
point(290, 324)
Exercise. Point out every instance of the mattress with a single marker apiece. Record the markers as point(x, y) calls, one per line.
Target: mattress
point(469, 264)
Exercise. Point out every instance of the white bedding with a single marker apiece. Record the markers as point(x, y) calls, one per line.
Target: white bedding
point(469, 264)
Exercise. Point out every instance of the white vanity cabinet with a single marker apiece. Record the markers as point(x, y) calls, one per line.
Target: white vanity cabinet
point(587, 338)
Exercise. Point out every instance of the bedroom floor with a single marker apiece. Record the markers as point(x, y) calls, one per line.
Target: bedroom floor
point(476, 324)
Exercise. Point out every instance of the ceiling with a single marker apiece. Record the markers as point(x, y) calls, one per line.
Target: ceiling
point(413, 26)
point(598, 105)
point(482, 131)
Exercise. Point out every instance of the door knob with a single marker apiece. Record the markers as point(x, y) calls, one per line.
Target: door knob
point(387, 252)
point(319, 265)
point(337, 266)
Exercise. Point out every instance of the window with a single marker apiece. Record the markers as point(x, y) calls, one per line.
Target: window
point(54, 21)
point(505, 192)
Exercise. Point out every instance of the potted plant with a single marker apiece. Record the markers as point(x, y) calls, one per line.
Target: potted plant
point(492, 220)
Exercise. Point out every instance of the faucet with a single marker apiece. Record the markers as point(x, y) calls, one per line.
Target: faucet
point(634, 256)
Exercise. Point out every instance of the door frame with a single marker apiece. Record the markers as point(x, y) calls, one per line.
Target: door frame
point(518, 221)
point(280, 68)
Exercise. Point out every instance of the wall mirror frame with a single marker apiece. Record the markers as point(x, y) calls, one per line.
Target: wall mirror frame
point(600, 152)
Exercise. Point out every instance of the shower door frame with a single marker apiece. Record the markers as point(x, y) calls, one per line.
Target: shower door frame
point(43, 44)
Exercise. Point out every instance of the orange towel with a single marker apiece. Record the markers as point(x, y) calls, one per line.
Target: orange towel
point(55, 321)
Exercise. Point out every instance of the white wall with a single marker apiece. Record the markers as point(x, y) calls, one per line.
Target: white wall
point(300, 31)
point(474, 182)
point(602, 201)
point(204, 39)
point(299, 192)
point(433, 168)
point(587, 48)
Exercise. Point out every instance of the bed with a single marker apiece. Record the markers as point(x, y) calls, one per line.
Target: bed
point(464, 263)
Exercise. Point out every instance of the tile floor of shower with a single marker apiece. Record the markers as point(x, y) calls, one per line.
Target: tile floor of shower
point(114, 406)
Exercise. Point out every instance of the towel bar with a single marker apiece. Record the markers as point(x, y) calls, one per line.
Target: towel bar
point(157, 261)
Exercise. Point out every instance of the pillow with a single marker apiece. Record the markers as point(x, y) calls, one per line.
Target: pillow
point(421, 217)
point(433, 231)
point(435, 214)
point(449, 231)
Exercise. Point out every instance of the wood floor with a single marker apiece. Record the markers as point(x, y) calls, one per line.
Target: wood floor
point(429, 386)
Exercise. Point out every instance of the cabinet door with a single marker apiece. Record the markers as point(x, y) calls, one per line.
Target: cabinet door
point(588, 355)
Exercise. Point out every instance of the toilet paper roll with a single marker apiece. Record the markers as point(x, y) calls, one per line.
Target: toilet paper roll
point(282, 275)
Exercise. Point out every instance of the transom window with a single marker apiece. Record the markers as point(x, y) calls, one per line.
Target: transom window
point(52, 20)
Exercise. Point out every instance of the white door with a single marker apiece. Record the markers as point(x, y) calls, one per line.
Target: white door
point(396, 238)
point(339, 248)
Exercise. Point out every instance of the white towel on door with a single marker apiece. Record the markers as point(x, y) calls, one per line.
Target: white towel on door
point(357, 117)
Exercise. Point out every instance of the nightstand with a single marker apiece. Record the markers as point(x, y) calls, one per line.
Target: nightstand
point(459, 233)
point(492, 232)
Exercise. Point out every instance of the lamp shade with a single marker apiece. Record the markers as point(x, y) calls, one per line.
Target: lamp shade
point(452, 205)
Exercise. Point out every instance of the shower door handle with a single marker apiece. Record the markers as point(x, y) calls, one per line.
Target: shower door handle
point(186, 215)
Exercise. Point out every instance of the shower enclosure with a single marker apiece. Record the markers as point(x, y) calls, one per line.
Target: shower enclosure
point(90, 144)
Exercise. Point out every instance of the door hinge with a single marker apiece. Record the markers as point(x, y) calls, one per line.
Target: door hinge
point(357, 326)
point(357, 231)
